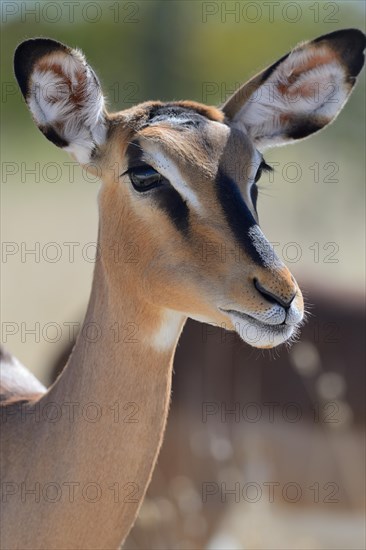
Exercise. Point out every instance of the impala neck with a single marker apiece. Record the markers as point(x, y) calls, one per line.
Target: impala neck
point(117, 390)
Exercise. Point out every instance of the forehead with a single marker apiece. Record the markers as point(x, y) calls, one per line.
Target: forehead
point(193, 134)
point(155, 111)
point(184, 113)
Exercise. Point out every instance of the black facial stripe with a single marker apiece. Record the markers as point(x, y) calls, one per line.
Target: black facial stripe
point(237, 214)
point(170, 201)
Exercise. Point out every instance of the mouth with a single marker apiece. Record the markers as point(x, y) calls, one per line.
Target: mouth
point(257, 333)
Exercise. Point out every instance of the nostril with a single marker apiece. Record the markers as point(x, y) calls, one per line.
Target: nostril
point(270, 297)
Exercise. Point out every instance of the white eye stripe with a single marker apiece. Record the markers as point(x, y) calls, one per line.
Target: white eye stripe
point(254, 166)
point(171, 171)
point(257, 161)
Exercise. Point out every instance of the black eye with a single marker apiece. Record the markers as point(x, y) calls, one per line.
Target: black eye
point(263, 167)
point(145, 177)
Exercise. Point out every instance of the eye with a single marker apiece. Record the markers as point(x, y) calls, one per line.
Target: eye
point(263, 167)
point(145, 177)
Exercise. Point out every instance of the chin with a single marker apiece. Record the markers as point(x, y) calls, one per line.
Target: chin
point(261, 335)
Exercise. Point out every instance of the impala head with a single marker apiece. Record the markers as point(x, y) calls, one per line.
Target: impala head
point(180, 179)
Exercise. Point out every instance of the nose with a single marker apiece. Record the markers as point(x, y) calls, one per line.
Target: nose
point(274, 298)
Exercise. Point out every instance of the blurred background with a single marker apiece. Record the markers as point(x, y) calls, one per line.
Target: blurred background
point(285, 468)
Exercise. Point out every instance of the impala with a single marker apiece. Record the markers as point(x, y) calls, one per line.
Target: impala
point(179, 180)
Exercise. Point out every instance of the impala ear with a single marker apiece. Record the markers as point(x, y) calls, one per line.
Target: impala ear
point(300, 93)
point(63, 95)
